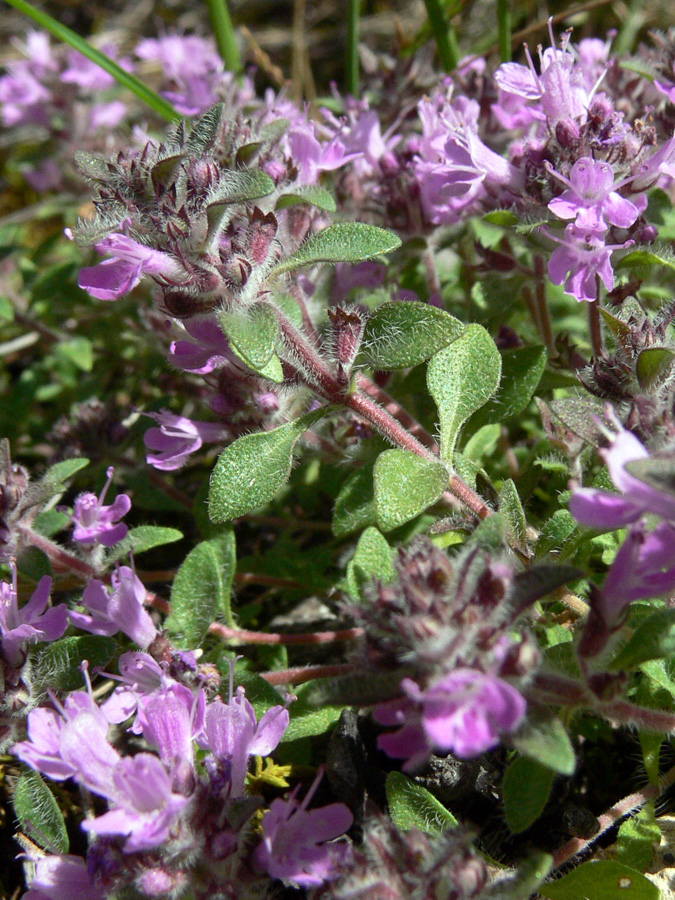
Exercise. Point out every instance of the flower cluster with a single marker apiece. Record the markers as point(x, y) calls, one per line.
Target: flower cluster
point(557, 142)
point(447, 624)
point(165, 796)
point(410, 866)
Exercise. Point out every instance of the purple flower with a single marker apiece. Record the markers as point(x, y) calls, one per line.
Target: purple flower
point(582, 256)
point(62, 878)
point(600, 509)
point(115, 277)
point(121, 610)
point(643, 567)
point(96, 523)
point(233, 734)
point(193, 67)
point(24, 100)
point(145, 808)
point(31, 623)
point(590, 199)
point(294, 844)
point(311, 156)
point(209, 350)
point(177, 438)
point(171, 719)
point(47, 728)
point(465, 712)
point(87, 75)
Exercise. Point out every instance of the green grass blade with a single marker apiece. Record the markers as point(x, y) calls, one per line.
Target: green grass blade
point(444, 34)
point(504, 22)
point(126, 79)
point(221, 24)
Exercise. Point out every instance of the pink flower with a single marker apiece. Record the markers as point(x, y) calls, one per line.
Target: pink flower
point(30, 623)
point(176, 438)
point(599, 509)
point(590, 199)
point(121, 610)
point(115, 277)
point(465, 712)
point(96, 523)
point(581, 256)
point(294, 840)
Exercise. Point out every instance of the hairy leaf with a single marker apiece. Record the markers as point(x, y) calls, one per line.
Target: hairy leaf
point(461, 379)
point(405, 485)
point(254, 468)
point(403, 334)
point(38, 813)
point(202, 589)
point(413, 806)
point(347, 242)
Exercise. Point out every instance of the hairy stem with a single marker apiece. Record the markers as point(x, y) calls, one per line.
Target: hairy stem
point(611, 817)
point(594, 324)
point(240, 636)
point(307, 673)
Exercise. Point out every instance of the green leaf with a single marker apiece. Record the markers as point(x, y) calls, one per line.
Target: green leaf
point(555, 532)
point(206, 131)
point(306, 719)
point(601, 880)
point(50, 522)
point(126, 79)
point(513, 514)
point(480, 444)
point(202, 589)
point(403, 334)
point(646, 259)
point(79, 351)
point(6, 308)
point(545, 740)
point(60, 472)
point(251, 471)
point(413, 806)
point(526, 788)
point(653, 366)
point(347, 242)
point(405, 485)
point(654, 638)
point(638, 838)
point(57, 666)
point(372, 559)
point(142, 538)
point(309, 193)
point(236, 186)
point(38, 813)
point(521, 373)
point(502, 217)
point(461, 379)
point(253, 333)
point(355, 504)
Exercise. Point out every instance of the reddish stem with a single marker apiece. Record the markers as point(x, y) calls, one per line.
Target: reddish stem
point(307, 673)
point(62, 560)
point(616, 812)
point(241, 636)
point(399, 412)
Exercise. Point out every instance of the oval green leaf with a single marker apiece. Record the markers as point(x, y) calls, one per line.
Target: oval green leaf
point(405, 485)
point(251, 471)
point(461, 379)
point(346, 242)
point(403, 334)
